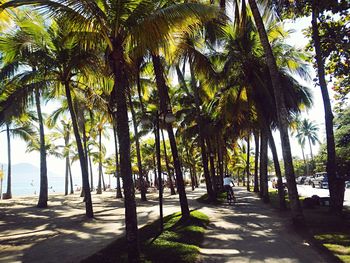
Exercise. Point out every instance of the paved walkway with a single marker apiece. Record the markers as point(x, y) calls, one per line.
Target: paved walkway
point(247, 232)
point(251, 231)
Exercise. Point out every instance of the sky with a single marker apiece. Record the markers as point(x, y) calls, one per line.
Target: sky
point(316, 114)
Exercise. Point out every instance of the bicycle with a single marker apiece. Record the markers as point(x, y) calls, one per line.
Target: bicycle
point(231, 199)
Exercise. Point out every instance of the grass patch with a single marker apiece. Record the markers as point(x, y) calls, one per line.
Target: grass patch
point(179, 241)
point(337, 243)
point(220, 199)
point(274, 199)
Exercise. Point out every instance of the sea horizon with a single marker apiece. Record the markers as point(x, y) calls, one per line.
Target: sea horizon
point(25, 181)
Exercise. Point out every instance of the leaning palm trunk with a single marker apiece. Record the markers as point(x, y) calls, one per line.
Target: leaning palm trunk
point(138, 151)
point(281, 196)
point(83, 164)
point(8, 194)
point(209, 185)
point(43, 196)
point(117, 170)
point(282, 114)
point(256, 162)
point(172, 189)
point(119, 107)
point(164, 100)
point(264, 191)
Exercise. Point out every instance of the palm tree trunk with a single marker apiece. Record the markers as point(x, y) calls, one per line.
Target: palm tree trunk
point(91, 172)
point(306, 170)
point(82, 157)
point(220, 161)
point(248, 163)
point(66, 177)
point(164, 102)
point(138, 151)
point(209, 185)
point(99, 187)
point(119, 106)
point(172, 189)
point(264, 190)
point(336, 184)
point(281, 195)
point(117, 170)
point(8, 194)
point(193, 183)
point(43, 196)
point(70, 178)
point(155, 170)
point(66, 142)
point(103, 179)
point(312, 156)
point(195, 175)
point(212, 166)
point(282, 116)
point(256, 162)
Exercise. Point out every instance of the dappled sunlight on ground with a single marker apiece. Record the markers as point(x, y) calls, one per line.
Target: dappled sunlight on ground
point(251, 231)
point(29, 234)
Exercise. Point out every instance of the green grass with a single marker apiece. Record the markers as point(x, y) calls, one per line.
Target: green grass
point(179, 242)
point(274, 200)
point(337, 243)
point(220, 199)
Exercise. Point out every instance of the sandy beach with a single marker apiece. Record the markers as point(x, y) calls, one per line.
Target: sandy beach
point(62, 233)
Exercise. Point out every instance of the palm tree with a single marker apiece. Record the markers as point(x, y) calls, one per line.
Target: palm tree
point(282, 114)
point(138, 151)
point(62, 133)
point(16, 127)
point(27, 47)
point(307, 129)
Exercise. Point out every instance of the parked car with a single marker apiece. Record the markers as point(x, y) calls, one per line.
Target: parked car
point(320, 180)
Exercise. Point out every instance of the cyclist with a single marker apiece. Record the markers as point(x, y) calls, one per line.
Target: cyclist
point(228, 183)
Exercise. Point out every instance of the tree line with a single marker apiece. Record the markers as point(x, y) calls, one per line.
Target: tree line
point(109, 62)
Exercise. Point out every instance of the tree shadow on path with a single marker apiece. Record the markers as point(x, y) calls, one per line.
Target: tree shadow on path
point(251, 231)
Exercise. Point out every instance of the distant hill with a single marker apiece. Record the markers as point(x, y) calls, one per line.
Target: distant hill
point(26, 170)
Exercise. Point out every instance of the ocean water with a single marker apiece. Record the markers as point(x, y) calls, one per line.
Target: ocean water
point(30, 185)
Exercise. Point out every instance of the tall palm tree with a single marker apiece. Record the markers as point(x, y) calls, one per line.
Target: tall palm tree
point(307, 129)
point(16, 127)
point(62, 132)
point(26, 47)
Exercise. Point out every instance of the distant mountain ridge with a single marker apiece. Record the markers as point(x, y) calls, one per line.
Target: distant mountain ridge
point(26, 169)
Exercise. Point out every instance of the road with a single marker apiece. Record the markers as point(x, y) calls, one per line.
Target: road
point(308, 191)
